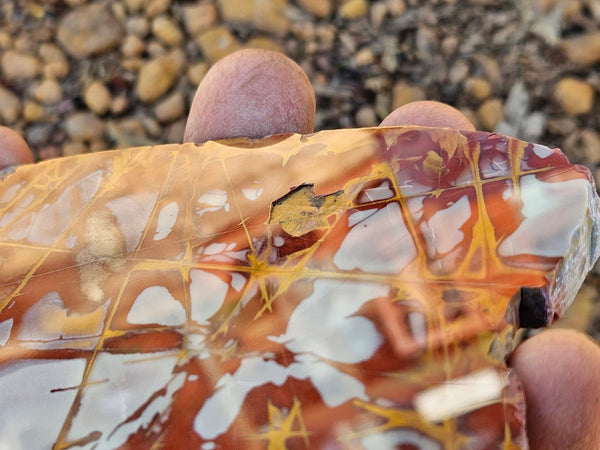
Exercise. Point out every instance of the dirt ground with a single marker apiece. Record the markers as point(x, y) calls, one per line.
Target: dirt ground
point(80, 76)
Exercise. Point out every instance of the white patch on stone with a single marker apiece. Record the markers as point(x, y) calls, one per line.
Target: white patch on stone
point(212, 201)
point(460, 395)
point(326, 324)
point(390, 252)
point(442, 232)
point(45, 320)
point(207, 294)
point(542, 151)
point(238, 281)
point(552, 213)
point(11, 192)
point(399, 438)
point(155, 304)
point(166, 220)
point(156, 407)
point(418, 327)
point(5, 329)
point(252, 194)
point(380, 192)
point(120, 384)
point(133, 212)
point(53, 219)
point(36, 395)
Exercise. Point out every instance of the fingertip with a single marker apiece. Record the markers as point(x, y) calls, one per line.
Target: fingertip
point(428, 114)
point(251, 93)
point(13, 149)
point(560, 371)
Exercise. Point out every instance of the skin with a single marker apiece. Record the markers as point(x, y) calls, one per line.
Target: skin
point(255, 93)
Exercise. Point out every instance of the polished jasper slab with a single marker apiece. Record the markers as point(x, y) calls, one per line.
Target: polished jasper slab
point(346, 289)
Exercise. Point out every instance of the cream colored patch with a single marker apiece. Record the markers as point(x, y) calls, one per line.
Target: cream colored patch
point(103, 254)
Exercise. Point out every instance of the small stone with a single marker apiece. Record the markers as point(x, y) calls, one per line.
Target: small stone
point(264, 15)
point(48, 91)
point(217, 43)
point(133, 64)
point(5, 40)
point(318, 8)
point(56, 70)
point(156, 7)
point(175, 131)
point(404, 93)
point(196, 72)
point(584, 49)
point(56, 64)
point(199, 18)
point(170, 109)
point(49, 152)
point(166, 31)
point(73, 148)
point(158, 76)
point(490, 113)
point(586, 141)
point(89, 30)
point(366, 117)
point(353, 9)
point(10, 106)
point(97, 145)
point(134, 5)
point(378, 12)
point(138, 26)
point(33, 111)
point(478, 88)
point(84, 126)
point(364, 57)
point(97, 97)
point(119, 105)
point(19, 65)
point(128, 132)
point(574, 96)
point(264, 43)
point(396, 7)
point(155, 49)
point(132, 46)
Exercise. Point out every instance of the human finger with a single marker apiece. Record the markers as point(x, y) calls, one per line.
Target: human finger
point(251, 93)
point(13, 149)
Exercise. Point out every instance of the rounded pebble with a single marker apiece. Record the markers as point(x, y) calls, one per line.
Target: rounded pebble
point(19, 65)
point(574, 96)
point(84, 126)
point(97, 97)
point(48, 91)
point(89, 30)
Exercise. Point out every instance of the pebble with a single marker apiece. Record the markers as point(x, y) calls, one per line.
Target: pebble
point(264, 43)
point(72, 148)
point(84, 126)
point(366, 117)
point(490, 113)
point(89, 30)
point(396, 7)
point(156, 7)
point(175, 131)
point(478, 88)
point(353, 9)
point(128, 132)
point(134, 5)
point(55, 61)
point(97, 97)
point(19, 65)
point(196, 72)
point(170, 109)
point(264, 15)
point(10, 106)
point(217, 43)
point(199, 18)
point(574, 96)
point(318, 8)
point(157, 76)
point(132, 46)
point(119, 105)
point(138, 26)
point(33, 111)
point(378, 12)
point(405, 93)
point(48, 91)
point(583, 49)
point(590, 140)
point(166, 31)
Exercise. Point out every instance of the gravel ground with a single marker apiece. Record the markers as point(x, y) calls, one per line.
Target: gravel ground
point(79, 76)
